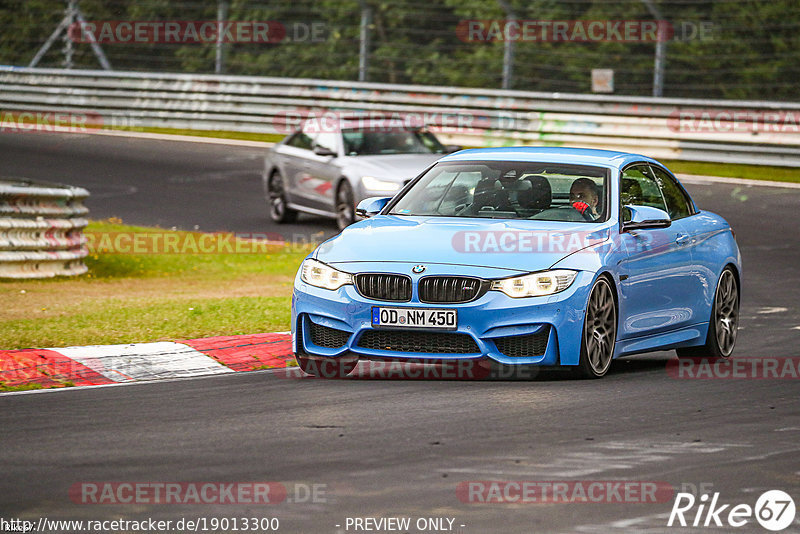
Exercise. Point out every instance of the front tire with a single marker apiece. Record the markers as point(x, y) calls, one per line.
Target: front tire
point(276, 199)
point(723, 324)
point(599, 331)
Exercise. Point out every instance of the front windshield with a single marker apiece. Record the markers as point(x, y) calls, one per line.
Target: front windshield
point(369, 142)
point(509, 190)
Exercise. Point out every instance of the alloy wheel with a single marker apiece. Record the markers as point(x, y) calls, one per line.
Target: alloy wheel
point(600, 328)
point(344, 206)
point(277, 204)
point(726, 311)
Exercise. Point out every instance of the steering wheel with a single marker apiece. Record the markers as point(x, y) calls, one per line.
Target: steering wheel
point(562, 213)
point(586, 215)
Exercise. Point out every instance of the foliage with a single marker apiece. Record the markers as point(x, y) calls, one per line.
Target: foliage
point(746, 49)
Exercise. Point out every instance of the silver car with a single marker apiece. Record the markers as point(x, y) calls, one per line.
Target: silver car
point(327, 169)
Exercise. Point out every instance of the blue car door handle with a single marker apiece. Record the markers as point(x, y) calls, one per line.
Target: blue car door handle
point(682, 239)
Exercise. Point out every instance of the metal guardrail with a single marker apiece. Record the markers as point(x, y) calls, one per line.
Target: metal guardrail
point(752, 132)
point(41, 229)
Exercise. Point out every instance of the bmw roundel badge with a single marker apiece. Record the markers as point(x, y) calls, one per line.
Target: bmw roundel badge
point(418, 269)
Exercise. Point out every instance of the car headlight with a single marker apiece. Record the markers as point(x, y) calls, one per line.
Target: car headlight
point(374, 184)
point(318, 274)
point(536, 284)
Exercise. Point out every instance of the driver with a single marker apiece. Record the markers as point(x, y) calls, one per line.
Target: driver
point(584, 197)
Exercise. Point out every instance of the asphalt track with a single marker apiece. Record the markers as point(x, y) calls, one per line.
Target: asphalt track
point(400, 448)
point(203, 186)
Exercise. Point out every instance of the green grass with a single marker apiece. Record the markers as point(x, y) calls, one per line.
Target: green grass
point(730, 170)
point(33, 385)
point(127, 298)
point(20, 387)
point(247, 136)
point(124, 321)
point(275, 260)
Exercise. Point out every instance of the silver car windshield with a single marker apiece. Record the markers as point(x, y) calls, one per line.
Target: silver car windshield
point(509, 190)
point(371, 142)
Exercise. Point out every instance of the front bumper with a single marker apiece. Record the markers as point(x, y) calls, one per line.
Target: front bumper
point(494, 322)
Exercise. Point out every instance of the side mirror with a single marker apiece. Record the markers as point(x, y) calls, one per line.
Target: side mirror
point(643, 217)
point(323, 151)
point(449, 149)
point(371, 206)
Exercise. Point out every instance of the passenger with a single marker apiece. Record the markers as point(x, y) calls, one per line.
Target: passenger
point(584, 197)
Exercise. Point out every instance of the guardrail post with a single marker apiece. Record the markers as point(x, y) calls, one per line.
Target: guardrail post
point(222, 10)
point(363, 44)
point(508, 48)
point(661, 49)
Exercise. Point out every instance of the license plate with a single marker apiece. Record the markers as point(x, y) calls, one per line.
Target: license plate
point(415, 317)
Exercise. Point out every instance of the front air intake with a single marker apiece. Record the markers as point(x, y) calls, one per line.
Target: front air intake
point(380, 286)
point(451, 289)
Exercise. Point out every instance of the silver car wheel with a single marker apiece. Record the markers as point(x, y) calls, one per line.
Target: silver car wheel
point(726, 310)
point(344, 206)
point(600, 328)
point(277, 204)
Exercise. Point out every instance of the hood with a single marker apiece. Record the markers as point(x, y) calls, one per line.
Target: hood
point(516, 245)
point(396, 166)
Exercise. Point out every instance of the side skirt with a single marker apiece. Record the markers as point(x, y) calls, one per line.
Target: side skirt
point(312, 211)
point(685, 337)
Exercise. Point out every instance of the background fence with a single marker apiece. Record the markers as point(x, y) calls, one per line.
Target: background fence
point(731, 49)
point(667, 128)
point(41, 229)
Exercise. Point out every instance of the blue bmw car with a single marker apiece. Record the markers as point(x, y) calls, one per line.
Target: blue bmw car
point(551, 257)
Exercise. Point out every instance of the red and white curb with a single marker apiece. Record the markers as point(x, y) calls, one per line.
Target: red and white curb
point(108, 364)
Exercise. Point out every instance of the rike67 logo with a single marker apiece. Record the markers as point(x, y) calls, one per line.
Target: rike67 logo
point(774, 510)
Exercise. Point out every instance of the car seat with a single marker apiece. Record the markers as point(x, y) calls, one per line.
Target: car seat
point(538, 197)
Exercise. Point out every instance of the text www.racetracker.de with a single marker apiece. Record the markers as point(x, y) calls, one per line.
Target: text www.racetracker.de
point(195, 524)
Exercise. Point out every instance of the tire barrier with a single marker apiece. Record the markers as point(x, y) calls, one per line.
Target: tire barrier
point(41, 229)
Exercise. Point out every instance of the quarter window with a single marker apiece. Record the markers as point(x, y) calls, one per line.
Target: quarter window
point(300, 140)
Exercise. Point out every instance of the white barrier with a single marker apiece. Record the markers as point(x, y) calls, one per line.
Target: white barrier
point(753, 132)
point(41, 229)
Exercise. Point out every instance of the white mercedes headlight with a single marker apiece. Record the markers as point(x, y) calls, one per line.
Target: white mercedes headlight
point(536, 284)
point(375, 184)
point(318, 274)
